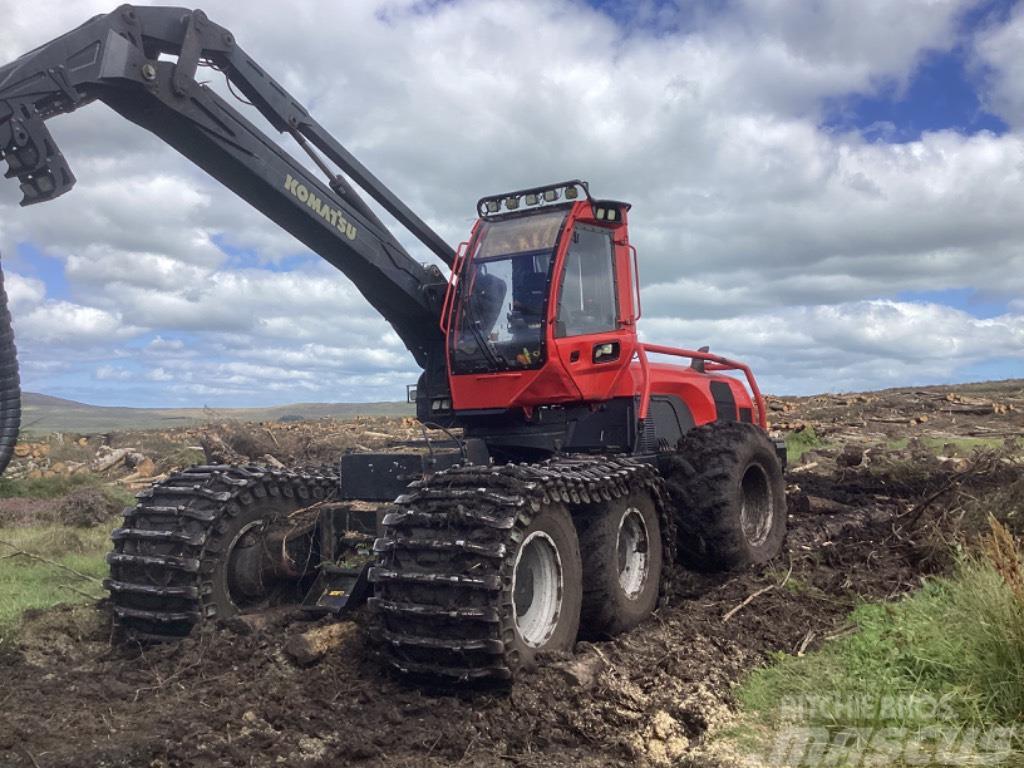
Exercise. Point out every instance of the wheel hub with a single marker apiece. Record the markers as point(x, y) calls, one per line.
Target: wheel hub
point(633, 552)
point(245, 566)
point(537, 589)
point(757, 511)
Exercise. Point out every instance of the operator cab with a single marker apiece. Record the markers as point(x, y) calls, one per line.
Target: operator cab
point(501, 309)
point(542, 306)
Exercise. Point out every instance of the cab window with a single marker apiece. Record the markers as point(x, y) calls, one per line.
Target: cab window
point(586, 300)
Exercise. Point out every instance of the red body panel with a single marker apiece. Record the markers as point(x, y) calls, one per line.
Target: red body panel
point(569, 373)
point(693, 388)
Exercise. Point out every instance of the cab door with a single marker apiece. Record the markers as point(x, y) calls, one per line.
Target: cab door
point(592, 336)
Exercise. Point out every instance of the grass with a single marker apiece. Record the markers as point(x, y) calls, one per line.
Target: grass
point(60, 485)
point(182, 456)
point(26, 583)
point(799, 443)
point(950, 656)
point(965, 445)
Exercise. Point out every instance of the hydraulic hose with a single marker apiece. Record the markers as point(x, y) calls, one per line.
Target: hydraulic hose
point(10, 383)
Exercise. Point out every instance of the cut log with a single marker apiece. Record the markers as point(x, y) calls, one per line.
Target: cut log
point(272, 461)
point(111, 460)
point(804, 467)
point(817, 505)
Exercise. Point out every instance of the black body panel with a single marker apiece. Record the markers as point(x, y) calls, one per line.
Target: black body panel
point(672, 419)
point(384, 476)
point(725, 401)
point(609, 427)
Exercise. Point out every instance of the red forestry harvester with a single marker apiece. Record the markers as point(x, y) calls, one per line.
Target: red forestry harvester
point(574, 468)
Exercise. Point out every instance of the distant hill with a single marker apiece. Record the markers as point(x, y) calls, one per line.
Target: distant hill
point(45, 413)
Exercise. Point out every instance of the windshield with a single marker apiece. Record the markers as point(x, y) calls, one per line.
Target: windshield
point(503, 294)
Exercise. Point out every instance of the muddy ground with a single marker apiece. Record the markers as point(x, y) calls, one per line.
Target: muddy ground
point(871, 512)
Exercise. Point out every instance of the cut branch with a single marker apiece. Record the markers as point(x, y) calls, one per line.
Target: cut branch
point(54, 563)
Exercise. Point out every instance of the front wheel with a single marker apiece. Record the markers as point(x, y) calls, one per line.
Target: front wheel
point(728, 489)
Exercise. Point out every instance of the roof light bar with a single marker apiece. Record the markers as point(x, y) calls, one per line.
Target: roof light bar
point(511, 201)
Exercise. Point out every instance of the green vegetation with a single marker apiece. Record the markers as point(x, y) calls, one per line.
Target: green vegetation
point(951, 655)
point(56, 486)
point(908, 648)
point(182, 456)
point(51, 561)
point(798, 443)
point(963, 445)
point(27, 583)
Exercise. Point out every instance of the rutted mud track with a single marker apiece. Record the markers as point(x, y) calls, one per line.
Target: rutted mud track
point(233, 697)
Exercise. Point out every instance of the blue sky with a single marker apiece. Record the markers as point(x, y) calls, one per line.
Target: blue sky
point(830, 190)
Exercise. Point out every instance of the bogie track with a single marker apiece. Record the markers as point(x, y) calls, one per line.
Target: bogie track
point(444, 585)
point(169, 569)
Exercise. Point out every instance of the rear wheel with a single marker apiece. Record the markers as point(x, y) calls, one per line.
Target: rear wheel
point(727, 486)
point(198, 546)
point(622, 561)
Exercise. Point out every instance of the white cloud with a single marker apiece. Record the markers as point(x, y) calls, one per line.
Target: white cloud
point(834, 347)
point(113, 373)
point(159, 374)
point(1000, 50)
point(752, 222)
point(23, 292)
point(63, 324)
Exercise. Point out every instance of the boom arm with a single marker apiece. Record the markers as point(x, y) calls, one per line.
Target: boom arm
point(115, 59)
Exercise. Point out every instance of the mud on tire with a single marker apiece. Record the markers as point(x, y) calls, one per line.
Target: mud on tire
point(727, 487)
point(622, 561)
point(467, 604)
point(456, 547)
point(170, 569)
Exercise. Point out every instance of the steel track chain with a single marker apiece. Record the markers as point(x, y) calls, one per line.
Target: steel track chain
point(443, 582)
point(168, 547)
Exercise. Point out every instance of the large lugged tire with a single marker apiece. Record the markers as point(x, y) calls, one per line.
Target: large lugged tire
point(480, 570)
point(547, 587)
point(727, 486)
point(622, 558)
point(482, 598)
point(178, 559)
point(10, 384)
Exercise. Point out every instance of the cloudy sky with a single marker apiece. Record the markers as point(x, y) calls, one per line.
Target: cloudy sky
point(832, 190)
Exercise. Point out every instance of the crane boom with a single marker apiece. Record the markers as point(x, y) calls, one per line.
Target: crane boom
point(120, 59)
